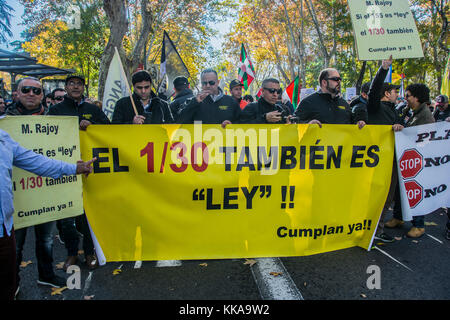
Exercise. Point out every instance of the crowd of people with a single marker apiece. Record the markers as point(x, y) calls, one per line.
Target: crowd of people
point(378, 104)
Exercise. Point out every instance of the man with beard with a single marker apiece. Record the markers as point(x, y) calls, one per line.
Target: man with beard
point(326, 105)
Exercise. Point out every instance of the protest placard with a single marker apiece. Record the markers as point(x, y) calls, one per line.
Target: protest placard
point(383, 28)
point(423, 160)
point(42, 199)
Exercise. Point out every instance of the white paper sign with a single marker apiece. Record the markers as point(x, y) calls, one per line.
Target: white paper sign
point(423, 162)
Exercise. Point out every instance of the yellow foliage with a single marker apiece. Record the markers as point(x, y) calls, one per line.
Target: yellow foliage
point(44, 48)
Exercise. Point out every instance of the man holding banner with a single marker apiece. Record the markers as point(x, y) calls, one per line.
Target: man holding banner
point(11, 153)
point(75, 104)
point(326, 105)
point(381, 110)
point(143, 106)
point(266, 109)
point(30, 95)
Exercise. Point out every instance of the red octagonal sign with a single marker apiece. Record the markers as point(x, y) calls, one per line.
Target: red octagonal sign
point(414, 193)
point(411, 163)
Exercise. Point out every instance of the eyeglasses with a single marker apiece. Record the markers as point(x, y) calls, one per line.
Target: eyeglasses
point(334, 79)
point(211, 83)
point(272, 90)
point(75, 83)
point(27, 89)
point(60, 98)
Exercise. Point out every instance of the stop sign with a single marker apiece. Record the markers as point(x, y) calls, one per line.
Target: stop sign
point(414, 193)
point(410, 163)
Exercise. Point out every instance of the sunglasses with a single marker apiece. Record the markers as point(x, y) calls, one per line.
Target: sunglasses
point(27, 89)
point(211, 83)
point(60, 98)
point(272, 91)
point(334, 79)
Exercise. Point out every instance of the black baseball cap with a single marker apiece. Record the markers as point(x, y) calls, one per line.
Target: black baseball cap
point(441, 100)
point(75, 76)
point(235, 83)
point(180, 81)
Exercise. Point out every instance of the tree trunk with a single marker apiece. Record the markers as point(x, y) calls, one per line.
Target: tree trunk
point(359, 83)
point(118, 24)
point(137, 56)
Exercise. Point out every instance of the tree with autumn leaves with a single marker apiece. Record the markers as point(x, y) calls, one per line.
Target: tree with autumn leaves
point(135, 27)
point(284, 38)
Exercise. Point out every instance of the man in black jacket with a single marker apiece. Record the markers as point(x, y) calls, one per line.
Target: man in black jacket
point(210, 105)
point(267, 109)
point(149, 108)
point(182, 93)
point(74, 104)
point(359, 104)
point(29, 95)
point(326, 105)
point(381, 110)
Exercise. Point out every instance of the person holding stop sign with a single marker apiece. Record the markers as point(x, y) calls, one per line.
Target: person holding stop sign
point(417, 96)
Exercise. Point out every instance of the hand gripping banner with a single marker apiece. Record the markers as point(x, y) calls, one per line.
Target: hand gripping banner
point(204, 192)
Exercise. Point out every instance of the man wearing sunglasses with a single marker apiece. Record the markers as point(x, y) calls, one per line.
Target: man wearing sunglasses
point(210, 106)
point(326, 105)
point(29, 98)
point(58, 95)
point(267, 109)
point(150, 108)
point(30, 95)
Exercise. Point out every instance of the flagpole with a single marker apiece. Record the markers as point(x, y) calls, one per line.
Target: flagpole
point(128, 86)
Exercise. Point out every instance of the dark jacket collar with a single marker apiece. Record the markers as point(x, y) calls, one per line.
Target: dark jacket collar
point(184, 92)
point(266, 104)
point(18, 109)
point(328, 95)
point(389, 104)
point(73, 102)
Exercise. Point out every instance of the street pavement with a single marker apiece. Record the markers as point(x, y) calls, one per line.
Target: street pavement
point(404, 270)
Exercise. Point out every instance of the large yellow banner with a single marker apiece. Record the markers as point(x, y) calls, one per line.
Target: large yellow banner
point(203, 192)
point(41, 199)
